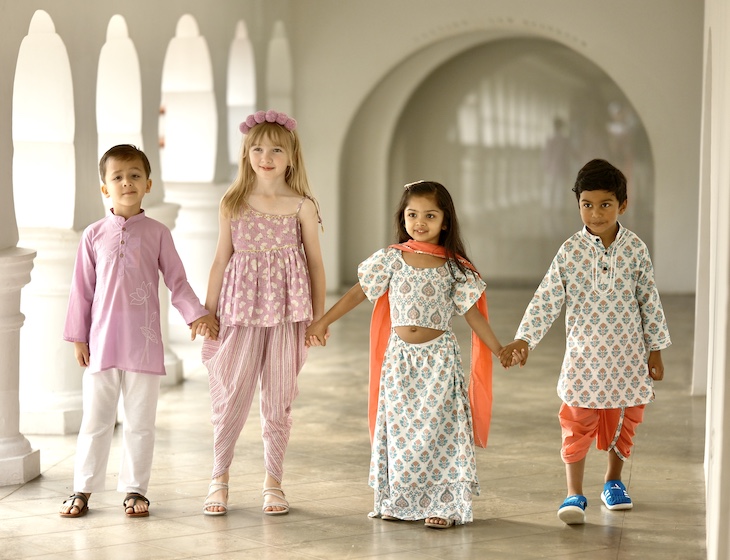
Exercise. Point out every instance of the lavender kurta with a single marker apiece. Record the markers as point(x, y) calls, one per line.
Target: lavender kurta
point(114, 303)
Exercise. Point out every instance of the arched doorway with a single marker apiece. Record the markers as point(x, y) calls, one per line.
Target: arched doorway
point(476, 112)
point(506, 126)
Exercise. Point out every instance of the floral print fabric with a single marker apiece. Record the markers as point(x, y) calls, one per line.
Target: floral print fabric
point(422, 461)
point(266, 282)
point(613, 318)
point(424, 297)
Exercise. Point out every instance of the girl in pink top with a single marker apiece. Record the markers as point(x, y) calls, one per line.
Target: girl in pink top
point(266, 285)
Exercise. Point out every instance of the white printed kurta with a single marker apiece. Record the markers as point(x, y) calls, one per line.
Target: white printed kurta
point(422, 461)
point(613, 319)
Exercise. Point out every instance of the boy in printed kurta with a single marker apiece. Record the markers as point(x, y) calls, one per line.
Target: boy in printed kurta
point(114, 322)
point(615, 331)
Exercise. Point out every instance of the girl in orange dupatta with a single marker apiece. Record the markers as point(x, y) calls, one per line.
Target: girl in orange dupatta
point(422, 425)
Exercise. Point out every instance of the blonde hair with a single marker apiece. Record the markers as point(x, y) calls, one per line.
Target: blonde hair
point(234, 199)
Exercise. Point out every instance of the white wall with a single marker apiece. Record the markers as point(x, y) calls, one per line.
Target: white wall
point(713, 310)
point(659, 71)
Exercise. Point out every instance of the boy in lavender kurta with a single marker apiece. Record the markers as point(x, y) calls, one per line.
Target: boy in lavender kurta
point(114, 322)
point(615, 331)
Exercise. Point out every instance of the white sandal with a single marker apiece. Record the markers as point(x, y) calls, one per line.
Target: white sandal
point(214, 487)
point(273, 491)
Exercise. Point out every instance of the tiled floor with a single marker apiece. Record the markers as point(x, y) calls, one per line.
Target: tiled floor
point(521, 475)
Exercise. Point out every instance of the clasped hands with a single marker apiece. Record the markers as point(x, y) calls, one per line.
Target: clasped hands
point(206, 326)
point(316, 334)
point(514, 353)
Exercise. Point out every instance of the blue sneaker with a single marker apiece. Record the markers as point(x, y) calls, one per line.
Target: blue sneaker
point(573, 510)
point(615, 496)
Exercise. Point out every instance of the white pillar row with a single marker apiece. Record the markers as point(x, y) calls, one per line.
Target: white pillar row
point(195, 236)
point(19, 463)
point(279, 77)
point(50, 381)
point(119, 121)
point(240, 90)
point(43, 146)
point(188, 157)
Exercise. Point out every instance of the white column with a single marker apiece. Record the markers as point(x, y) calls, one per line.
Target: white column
point(19, 463)
point(166, 214)
point(195, 236)
point(50, 387)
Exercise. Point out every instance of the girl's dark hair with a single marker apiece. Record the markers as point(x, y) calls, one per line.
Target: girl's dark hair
point(599, 175)
point(450, 237)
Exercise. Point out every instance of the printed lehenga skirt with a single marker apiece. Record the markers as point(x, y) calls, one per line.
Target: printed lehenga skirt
point(422, 462)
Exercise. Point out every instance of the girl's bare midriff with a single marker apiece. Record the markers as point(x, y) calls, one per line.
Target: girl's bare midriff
point(416, 335)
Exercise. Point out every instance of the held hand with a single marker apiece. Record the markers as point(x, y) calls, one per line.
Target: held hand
point(316, 334)
point(508, 360)
point(206, 326)
point(514, 353)
point(201, 330)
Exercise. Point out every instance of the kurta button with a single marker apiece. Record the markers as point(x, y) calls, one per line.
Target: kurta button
point(122, 242)
point(121, 255)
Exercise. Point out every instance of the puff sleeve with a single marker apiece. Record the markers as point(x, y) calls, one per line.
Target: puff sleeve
point(466, 291)
point(375, 272)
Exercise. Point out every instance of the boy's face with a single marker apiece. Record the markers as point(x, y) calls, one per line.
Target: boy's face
point(126, 182)
point(599, 211)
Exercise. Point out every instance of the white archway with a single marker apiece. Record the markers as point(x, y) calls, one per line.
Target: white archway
point(279, 71)
point(240, 89)
point(188, 100)
point(188, 154)
point(506, 126)
point(118, 110)
point(43, 140)
point(43, 129)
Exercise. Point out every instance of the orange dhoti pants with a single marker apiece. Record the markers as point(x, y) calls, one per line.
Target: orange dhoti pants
point(612, 428)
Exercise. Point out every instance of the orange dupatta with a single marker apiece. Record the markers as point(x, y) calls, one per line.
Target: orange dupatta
point(480, 380)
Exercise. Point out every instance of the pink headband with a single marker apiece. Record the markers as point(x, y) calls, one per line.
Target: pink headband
point(267, 116)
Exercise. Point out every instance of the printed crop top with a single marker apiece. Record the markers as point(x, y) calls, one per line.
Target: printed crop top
point(422, 297)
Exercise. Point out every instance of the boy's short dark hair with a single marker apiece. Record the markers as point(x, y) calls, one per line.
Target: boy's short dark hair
point(125, 152)
point(599, 175)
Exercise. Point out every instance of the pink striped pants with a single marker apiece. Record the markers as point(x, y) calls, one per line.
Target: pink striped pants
point(243, 358)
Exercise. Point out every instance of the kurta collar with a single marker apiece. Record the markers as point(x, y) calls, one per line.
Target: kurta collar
point(120, 221)
point(596, 240)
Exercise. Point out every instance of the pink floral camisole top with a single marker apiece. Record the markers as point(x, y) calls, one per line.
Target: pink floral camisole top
point(266, 281)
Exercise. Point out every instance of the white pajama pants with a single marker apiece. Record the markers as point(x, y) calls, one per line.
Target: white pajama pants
point(101, 392)
point(244, 358)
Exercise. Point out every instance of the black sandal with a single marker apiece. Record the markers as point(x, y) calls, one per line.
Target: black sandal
point(135, 497)
point(82, 510)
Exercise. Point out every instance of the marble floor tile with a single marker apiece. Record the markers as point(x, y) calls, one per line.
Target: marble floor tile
point(521, 475)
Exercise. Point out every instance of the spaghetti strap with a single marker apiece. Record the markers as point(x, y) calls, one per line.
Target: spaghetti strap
point(316, 207)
